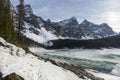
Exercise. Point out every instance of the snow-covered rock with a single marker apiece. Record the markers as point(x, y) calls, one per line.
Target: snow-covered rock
point(72, 21)
point(92, 30)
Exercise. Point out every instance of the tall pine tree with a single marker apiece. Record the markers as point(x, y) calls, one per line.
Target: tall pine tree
point(6, 22)
point(21, 14)
point(20, 19)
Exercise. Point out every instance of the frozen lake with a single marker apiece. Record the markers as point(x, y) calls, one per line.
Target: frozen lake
point(104, 60)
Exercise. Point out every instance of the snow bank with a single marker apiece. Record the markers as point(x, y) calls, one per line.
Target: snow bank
point(103, 75)
point(30, 67)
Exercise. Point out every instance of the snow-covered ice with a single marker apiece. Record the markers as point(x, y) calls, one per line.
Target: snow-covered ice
point(116, 70)
point(106, 59)
point(104, 76)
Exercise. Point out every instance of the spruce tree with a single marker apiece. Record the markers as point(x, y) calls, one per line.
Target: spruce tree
point(6, 22)
point(21, 14)
point(20, 19)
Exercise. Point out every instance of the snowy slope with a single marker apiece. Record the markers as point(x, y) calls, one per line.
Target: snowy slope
point(28, 66)
point(42, 36)
point(33, 26)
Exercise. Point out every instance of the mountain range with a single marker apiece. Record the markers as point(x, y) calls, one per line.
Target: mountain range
point(40, 30)
point(66, 33)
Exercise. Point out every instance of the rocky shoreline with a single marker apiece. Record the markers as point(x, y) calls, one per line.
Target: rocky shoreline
point(78, 70)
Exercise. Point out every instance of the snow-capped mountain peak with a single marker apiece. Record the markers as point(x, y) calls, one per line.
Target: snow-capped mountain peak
point(104, 24)
point(86, 23)
point(71, 20)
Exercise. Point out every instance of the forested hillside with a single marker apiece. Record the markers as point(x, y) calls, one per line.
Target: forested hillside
point(8, 29)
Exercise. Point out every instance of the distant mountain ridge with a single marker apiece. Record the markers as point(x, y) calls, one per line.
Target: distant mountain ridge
point(86, 29)
point(40, 30)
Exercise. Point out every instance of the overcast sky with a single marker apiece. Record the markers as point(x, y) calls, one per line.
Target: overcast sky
point(96, 11)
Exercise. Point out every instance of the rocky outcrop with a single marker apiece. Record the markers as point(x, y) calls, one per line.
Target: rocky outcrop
point(31, 18)
point(78, 70)
point(12, 76)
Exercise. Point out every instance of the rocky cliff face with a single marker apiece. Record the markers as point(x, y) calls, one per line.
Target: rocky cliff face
point(31, 18)
point(86, 30)
point(69, 28)
point(92, 30)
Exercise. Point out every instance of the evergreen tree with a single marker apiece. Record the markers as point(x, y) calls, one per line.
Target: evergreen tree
point(20, 19)
point(21, 14)
point(6, 22)
point(2, 20)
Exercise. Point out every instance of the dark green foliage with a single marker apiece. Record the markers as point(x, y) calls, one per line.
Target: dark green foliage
point(6, 22)
point(20, 14)
point(108, 42)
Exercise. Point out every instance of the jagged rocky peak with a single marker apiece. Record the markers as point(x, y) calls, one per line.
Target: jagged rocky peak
point(105, 25)
point(28, 10)
point(107, 29)
point(70, 21)
point(73, 18)
point(48, 20)
point(86, 23)
point(31, 18)
point(28, 16)
point(94, 30)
